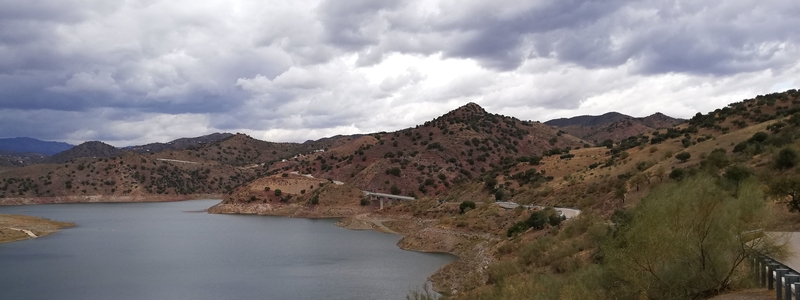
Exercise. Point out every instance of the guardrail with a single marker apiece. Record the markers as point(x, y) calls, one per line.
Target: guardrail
point(777, 276)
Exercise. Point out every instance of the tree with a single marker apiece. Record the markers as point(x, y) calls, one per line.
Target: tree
point(683, 156)
point(787, 187)
point(466, 205)
point(660, 172)
point(688, 239)
point(639, 179)
point(395, 190)
point(315, 200)
point(620, 190)
point(490, 182)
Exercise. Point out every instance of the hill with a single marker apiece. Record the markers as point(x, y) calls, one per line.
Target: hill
point(179, 144)
point(428, 159)
point(588, 120)
point(31, 145)
point(612, 126)
point(87, 149)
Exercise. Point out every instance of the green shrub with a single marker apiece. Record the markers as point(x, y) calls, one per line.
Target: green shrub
point(786, 159)
point(683, 156)
point(364, 201)
point(278, 192)
point(464, 205)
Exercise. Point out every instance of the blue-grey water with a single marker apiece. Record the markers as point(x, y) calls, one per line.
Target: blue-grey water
point(160, 251)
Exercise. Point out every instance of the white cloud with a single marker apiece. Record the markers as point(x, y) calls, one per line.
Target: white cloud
point(142, 71)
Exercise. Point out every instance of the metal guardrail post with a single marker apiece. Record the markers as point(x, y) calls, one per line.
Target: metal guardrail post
point(763, 269)
point(779, 272)
point(789, 279)
point(795, 290)
point(770, 275)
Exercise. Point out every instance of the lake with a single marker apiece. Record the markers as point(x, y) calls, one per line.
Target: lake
point(163, 251)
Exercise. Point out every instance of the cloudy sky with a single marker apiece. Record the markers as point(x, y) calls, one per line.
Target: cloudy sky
point(140, 71)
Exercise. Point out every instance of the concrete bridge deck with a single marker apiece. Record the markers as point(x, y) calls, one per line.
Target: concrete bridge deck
point(381, 196)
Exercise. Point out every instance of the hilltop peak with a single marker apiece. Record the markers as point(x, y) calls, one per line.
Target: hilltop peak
point(87, 149)
point(471, 107)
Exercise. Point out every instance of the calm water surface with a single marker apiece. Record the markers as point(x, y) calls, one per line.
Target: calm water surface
point(160, 251)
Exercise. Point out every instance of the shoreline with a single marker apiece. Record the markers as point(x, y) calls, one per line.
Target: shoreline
point(106, 199)
point(418, 235)
point(14, 228)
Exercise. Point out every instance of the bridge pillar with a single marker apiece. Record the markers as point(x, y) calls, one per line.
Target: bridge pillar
point(381, 200)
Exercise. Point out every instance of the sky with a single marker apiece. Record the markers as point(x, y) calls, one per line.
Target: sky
point(134, 72)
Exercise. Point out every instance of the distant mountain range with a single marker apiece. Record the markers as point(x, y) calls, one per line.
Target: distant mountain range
point(612, 126)
point(31, 145)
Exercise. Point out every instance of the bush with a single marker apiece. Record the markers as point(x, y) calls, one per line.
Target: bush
point(395, 190)
point(677, 174)
point(786, 159)
point(737, 173)
point(315, 200)
point(278, 192)
point(683, 156)
point(364, 201)
point(758, 137)
point(687, 238)
point(464, 205)
point(266, 189)
point(393, 171)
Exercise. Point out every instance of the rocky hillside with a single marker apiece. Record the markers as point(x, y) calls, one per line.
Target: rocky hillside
point(428, 159)
point(612, 126)
point(87, 149)
point(588, 120)
point(129, 174)
point(179, 144)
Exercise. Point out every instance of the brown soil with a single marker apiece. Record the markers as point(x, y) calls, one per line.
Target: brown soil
point(751, 294)
point(13, 227)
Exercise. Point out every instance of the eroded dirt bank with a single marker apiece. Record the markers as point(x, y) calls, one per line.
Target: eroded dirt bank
point(425, 235)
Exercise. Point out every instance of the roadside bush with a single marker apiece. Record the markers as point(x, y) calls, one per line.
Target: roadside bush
point(462, 208)
point(688, 240)
point(364, 201)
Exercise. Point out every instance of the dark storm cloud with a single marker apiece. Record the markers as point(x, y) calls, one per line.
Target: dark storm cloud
point(165, 69)
point(664, 36)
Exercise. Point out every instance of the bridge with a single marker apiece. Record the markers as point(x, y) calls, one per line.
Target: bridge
point(388, 197)
point(568, 213)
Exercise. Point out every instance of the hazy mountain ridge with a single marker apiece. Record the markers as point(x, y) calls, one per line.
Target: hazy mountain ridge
point(612, 126)
point(31, 145)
